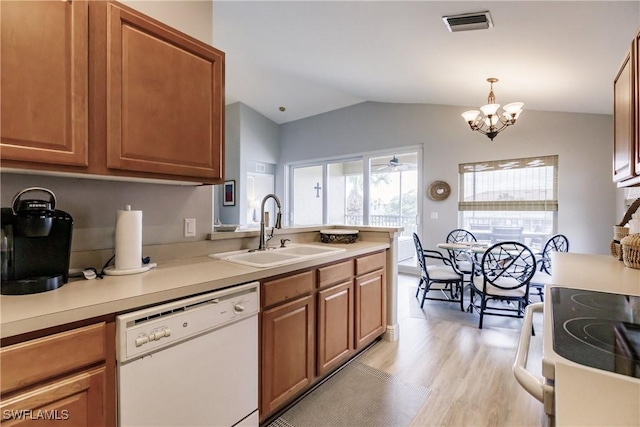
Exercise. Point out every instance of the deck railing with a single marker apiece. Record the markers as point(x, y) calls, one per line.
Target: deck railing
point(408, 222)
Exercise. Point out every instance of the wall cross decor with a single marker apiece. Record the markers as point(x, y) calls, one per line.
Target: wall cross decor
point(317, 188)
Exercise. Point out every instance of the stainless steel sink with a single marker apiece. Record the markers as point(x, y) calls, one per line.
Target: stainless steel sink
point(277, 256)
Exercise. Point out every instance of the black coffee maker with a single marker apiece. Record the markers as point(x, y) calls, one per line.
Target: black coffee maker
point(35, 244)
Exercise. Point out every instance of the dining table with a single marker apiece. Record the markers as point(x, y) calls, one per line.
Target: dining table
point(474, 250)
point(533, 239)
point(474, 247)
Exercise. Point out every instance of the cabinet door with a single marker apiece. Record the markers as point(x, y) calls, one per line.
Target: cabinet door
point(335, 326)
point(165, 99)
point(623, 121)
point(370, 307)
point(636, 103)
point(287, 352)
point(78, 400)
point(44, 81)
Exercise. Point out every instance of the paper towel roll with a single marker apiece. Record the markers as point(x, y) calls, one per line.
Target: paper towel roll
point(128, 239)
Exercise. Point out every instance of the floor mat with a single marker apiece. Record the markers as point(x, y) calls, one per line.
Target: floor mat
point(358, 395)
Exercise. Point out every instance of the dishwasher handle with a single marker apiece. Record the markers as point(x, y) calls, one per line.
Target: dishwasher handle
point(532, 384)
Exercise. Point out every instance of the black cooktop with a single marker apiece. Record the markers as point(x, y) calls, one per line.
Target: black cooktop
point(597, 329)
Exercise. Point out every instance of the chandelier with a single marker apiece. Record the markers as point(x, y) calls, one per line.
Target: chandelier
point(491, 123)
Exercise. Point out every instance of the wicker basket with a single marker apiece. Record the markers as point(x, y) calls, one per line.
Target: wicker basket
point(631, 250)
point(616, 249)
point(620, 231)
point(338, 236)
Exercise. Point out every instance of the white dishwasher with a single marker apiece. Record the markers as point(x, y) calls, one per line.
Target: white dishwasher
point(192, 362)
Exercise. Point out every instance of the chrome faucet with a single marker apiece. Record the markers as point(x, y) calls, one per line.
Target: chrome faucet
point(263, 237)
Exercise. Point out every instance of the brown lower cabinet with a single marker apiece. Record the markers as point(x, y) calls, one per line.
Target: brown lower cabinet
point(335, 326)
point(370, 307)
point(65, 378)
point(314, 321)
point(287, 351)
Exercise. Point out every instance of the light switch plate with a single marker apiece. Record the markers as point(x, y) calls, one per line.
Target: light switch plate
point(189, 227)
point(434, 215)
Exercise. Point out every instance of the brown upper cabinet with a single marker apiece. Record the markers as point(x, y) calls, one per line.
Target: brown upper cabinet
point(626, 119)
point(129, 96)
point(44, 82)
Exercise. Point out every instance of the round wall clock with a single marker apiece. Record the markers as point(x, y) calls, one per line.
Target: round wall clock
point(439, 190)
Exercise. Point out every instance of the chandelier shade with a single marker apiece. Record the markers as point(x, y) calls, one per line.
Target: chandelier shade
point(491, 123)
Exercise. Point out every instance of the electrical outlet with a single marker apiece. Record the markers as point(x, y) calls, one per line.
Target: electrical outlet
point(189, 227)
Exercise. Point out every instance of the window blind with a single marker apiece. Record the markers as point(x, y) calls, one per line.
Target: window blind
point(524, 184)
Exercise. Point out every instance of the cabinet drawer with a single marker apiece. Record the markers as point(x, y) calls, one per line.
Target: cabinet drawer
point(77, 400)
point(369, 263)
point(335, 273)
point(33, 361)
point(279, 290)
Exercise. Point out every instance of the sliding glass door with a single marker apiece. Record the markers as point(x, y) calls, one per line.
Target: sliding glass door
point(393, 199)
point(345, 196)
point(379, 190)
point(307, 197)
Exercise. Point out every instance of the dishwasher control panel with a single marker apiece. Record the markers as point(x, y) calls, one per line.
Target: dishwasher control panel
point(148, 330)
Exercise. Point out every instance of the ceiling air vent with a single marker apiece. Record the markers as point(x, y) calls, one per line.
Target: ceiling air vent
point(468, 21)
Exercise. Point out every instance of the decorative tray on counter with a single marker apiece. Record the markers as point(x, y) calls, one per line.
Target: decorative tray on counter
point(338, 236)
point(225, 227)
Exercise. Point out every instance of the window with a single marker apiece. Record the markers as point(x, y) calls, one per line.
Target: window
point(378, 189)
point(393, 192)
point(514, 199)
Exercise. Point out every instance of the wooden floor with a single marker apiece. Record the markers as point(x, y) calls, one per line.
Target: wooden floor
point(467, 369)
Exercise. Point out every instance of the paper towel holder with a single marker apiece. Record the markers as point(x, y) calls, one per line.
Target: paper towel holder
point(111, 270)
point(133, 262)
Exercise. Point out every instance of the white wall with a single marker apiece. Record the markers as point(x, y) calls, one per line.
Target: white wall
point(192, 17)
point(230, 214)
point(249, 136)
point(93, 204)
point(583, 143)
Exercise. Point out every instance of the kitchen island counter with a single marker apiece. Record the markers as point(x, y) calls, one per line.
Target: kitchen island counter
point(84, 299)
point(585, 395)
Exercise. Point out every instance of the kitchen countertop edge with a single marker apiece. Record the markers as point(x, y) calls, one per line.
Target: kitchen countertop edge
point(85, 299)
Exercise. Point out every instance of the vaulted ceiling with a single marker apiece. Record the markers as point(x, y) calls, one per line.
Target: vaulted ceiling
point(315, 56)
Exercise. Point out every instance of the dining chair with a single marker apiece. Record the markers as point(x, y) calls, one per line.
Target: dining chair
point(505, 272)
point(506, 234)
point(442, 277)
point(542, 277)
point(460, 235)
point(463, 261)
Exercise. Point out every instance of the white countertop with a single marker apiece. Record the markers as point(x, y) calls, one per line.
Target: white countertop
point(586, 396)
point(83, 299)
point(595, 272)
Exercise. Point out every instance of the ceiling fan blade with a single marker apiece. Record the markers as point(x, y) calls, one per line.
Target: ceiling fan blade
point(395, 165)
